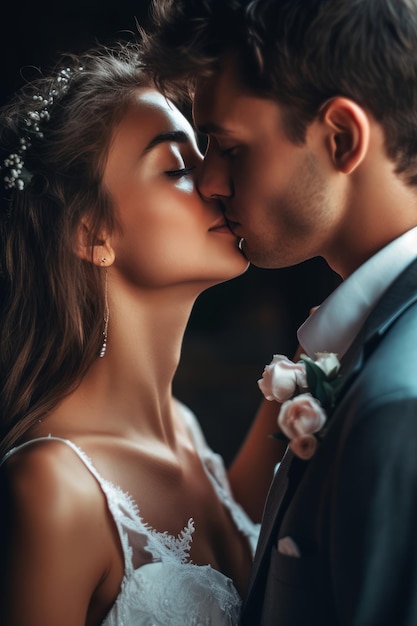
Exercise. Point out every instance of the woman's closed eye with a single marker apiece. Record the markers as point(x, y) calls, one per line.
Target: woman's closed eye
point(179, 173)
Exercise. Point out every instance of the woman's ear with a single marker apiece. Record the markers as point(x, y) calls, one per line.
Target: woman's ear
point(349, 128)
point(99, 252)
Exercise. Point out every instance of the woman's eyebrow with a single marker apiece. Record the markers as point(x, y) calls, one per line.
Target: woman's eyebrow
point(172, 136)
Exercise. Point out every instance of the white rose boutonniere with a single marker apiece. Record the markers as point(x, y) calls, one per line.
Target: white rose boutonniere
point(307, 391)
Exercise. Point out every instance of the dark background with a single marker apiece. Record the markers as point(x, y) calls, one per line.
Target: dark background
point(236, 327)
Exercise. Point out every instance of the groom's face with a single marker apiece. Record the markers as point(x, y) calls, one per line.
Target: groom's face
point(276, 194)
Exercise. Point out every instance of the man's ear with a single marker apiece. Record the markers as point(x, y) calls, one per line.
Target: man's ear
point(100, 252)
point(349, 132)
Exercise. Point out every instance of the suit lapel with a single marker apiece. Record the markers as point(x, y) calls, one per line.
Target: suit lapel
point(274, 499)
point(350, 366)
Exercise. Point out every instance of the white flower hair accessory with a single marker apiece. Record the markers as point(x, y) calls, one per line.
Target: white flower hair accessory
point(307, 390)
point(13, 171)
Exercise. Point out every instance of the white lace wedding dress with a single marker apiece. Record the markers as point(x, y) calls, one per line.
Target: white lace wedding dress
point(166, 588)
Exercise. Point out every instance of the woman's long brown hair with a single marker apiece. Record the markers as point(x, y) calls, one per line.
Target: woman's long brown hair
point(52, 304)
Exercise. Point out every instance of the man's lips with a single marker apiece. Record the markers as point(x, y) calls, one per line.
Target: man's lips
point(233, 226)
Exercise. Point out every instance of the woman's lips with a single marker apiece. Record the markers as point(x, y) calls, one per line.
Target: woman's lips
point(221, 226)
point(222, 229)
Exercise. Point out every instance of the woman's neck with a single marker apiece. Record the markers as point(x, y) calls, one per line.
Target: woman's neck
point(129, 391)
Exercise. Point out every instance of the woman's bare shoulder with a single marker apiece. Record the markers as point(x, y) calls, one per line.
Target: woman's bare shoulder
point(54, 535)
point(47, 474)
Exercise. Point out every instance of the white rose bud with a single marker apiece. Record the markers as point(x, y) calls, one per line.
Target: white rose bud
point(328, 362)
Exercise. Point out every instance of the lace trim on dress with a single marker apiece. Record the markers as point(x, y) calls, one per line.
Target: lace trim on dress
point(214, 467)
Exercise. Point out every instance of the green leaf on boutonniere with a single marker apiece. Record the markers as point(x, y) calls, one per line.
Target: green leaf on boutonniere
point(322, 386)
point(279, 435)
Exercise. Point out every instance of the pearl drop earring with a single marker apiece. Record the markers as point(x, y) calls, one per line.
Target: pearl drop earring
point(106, 311)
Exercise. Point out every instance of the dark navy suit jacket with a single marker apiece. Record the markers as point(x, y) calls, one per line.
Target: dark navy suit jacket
point(352, 508)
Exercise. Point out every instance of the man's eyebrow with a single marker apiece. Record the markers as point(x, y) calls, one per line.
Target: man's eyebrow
point(172, 136)
point(212, 129)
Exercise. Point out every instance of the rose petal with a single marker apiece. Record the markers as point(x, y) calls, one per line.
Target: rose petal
point(328, 362)
point(302, 415)
point(281, 378)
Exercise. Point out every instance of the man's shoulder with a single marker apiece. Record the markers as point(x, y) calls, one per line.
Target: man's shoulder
point(394, 351)
point(385, 387)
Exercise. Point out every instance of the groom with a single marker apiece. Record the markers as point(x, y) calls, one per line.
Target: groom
point(310, 108)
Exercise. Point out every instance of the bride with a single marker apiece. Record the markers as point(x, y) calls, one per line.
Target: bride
point(114, 510)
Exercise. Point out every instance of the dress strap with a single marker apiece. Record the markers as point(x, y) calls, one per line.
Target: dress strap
point(84, 458)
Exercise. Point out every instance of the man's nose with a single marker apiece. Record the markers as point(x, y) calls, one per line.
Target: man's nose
point(214, 180)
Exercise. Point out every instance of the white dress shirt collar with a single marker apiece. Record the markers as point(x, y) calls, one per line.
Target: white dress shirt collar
point(335, 324)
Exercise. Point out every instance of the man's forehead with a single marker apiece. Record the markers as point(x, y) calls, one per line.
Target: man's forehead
point(223, 106)
point(215, 98)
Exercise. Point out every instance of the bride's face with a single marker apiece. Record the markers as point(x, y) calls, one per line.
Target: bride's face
point(167, 233)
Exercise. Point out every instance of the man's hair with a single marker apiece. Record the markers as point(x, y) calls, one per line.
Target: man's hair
point(300, 53)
